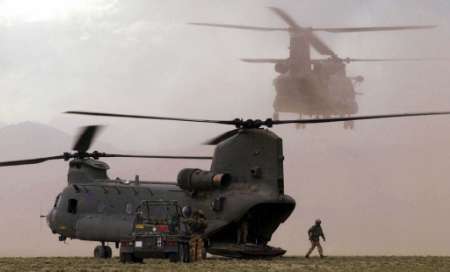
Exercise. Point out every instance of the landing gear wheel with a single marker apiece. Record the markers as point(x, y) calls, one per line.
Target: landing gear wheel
point(99, 252)
point(108, 252)
point(102, 252)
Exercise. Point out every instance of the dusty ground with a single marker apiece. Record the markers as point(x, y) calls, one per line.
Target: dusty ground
point(338, 264)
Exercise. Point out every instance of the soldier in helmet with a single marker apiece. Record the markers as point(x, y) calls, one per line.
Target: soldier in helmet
point(196, 224)
point(186, 211)
point(185, 255)
point(314, 234)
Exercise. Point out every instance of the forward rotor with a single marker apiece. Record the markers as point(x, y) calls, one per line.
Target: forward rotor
point(82, 145)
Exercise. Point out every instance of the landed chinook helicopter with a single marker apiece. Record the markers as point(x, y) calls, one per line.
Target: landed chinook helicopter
point(242, 194)
point(314, 87)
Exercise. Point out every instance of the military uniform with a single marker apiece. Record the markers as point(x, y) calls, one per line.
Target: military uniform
point(196, 227)
point(314, 233)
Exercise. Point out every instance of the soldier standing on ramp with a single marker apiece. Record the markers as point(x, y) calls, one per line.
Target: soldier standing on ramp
point(314, 233)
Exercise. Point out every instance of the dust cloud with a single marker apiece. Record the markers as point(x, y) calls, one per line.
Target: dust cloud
point(382, 188)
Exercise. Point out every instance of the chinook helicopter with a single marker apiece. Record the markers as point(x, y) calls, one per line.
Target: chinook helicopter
point(242, 194)
point(315, 87)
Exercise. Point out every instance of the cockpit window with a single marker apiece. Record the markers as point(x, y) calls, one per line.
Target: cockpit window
point(57, 201)
point(72, 206)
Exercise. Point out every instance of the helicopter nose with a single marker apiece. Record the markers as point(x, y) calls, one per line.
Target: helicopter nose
point(50, 218)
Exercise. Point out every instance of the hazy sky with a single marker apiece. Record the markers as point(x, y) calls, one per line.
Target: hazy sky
point(141, 57)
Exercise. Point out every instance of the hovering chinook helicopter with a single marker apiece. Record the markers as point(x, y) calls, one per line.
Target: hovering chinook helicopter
point(314, 87)
point(242, 192)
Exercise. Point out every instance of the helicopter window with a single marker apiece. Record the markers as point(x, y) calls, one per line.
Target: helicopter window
point(57, 201)
point(72, 207)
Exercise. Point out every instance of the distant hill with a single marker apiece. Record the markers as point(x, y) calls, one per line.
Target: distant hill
point(32, 139)
point(28, 191)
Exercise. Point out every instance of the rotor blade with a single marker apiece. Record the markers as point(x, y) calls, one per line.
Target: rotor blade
point(263, 60)
point(353, 118)
point(222, 137)
point(319, 45)
point(155, 157)
point(223, 122)
point(314, 40)
point(258, 28)
point(286, 17)
point(393, 59)
point(85, 138)
point(269, 122)
point(349, 60)
point(30, 161)
point(369, 29)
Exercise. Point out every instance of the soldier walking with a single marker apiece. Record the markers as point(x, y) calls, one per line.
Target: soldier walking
point(314, 234)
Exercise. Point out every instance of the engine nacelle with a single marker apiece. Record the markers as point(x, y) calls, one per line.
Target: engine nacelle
point(193, 179)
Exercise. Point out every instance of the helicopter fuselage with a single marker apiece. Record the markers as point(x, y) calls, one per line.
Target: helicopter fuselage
point(312, 87)
point(96, 208)
point(315, 94)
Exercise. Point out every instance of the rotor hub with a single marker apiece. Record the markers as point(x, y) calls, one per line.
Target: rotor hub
point(252, 123)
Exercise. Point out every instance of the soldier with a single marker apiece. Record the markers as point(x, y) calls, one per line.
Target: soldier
point(314, 233)
point(186, 232)
point(242, 231)
point(196, 225)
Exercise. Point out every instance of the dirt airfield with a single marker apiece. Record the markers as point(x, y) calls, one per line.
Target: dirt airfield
point(336, 264)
